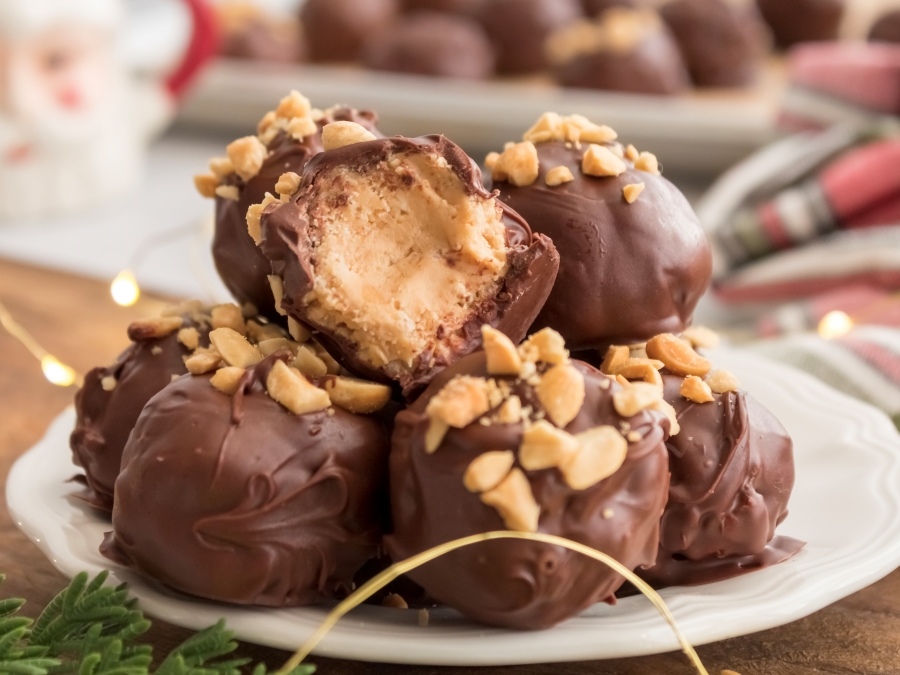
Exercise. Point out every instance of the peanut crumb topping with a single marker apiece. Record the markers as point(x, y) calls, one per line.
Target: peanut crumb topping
point(647, 161)
point(340, 134)
point(488, 470)
point(559, 175)
point(722, 381)
point(502, 356)
point(287, 184)
point(600, 161)
point(108, 383)
point(515, 502)
point(289, 388)
point(570, 128)
point(227, 379)
point(357, 396)
point(228, 192)
point(701, 337)
point(678, 356)
point(206, 185)
point(696, 390)
point(517, 164)
point(632, 192)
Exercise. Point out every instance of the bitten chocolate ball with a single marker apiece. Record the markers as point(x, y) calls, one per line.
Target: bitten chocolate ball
point(518, 29)
point(622, 50)
point(722, 44)
point(335, 30)
point(732, 470)
point(109, 403)
point(393, 251)
point(241, 265)
point(432, 43)
point(886, 28)
point(795, 21)
point(634, 259)
point(227, 494)
point(546, 450)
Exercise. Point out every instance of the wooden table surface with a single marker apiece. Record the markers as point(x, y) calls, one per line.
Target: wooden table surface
point(77, 321)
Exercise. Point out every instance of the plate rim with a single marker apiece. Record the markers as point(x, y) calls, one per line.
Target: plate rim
point(356, 639)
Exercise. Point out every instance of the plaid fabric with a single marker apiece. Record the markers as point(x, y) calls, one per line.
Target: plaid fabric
point(864, 364)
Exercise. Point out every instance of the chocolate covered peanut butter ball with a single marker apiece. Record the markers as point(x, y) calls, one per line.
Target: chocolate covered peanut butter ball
point(393, 252)
point(253, 484)
point(335, 30)
point(886, 28)
point(623, 49)
point(796, 21)
point(634, 259)
point(532, 441)
point(288, 138)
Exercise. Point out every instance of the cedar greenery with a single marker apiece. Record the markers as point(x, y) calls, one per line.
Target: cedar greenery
point(91, 629)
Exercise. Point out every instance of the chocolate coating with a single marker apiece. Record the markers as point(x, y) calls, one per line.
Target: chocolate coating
point(531, 258)
point(722, 44)
point(795, 21)
point(241, 264)
point(652, 66)
point(732, 470)
point(467, 7)
point(597, 7)
point(105, 418)
point(237, 499)
point(432, 43)
point(522, 584)
point(886, 28)
point(627, 271)
point(259, 39)
point(335, 30)
point(518, 29)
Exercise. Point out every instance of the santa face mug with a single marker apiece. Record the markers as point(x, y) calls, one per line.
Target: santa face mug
point(74, 119)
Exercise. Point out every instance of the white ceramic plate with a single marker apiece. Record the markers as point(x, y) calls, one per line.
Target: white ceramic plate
point(846, 505)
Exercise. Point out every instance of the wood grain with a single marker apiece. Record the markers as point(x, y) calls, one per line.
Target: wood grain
point(76, 320)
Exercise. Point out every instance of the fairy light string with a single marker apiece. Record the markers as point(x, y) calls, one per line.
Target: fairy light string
point(54, 370)
point(379, 581)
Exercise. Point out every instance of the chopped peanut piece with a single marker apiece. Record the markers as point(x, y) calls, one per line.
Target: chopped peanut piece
point(189, 337)
point(491, 159)
point(544, 446)
point(272, 345)
point(615, 358)
point(561, 393)
point(696, 390)
point(247, 156)
point(621, 380)
point(308, 363)
point(228, 316)
point(488, 470)
point(156, 327)
point(515, 502)
point(434, 436)
point(460, 402)
point(334, 368)
point(546, 345)
point(234, 348)
point(667, 409)
point(206, 185)
point(254, 215)
point(510, 412)
point(502, 356)
point(631, 152)
point(287, 386)
point(221, 167)
point(227, 379)
point(547, 128)
point(647, 161)
point(559, 175)
point(358, 396)
point(339, 134)
point(701, 337)
point(294, 104)
point(228, 192)
point(600, 161)
point(517, 164)
point(267, 121)
point(394, 601)
point(634, 398)
point(722, 381)
point(260, 332)
point(632, 192)
point(301, 127)
point(678, 356)
point(277, 285)
point(601, 452)
point(287, 184)
point(108, 383)
point(643, 369)
point(298, 331)
point(202, 361)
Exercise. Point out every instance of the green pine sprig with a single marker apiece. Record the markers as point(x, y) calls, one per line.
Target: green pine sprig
point(92, 629)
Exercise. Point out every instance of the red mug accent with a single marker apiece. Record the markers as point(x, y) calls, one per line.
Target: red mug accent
point(202, 47)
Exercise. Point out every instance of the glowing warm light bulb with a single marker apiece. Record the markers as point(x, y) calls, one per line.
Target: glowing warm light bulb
point(835, 324)
point(56, 372)
point(124, 289)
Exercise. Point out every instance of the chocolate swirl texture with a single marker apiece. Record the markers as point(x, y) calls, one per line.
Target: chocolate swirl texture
point(241, 265)
point(104, 419)
point(292, 235)
point(521, 584)
point(732, 474)
point(627, 271)
point(237, 499)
